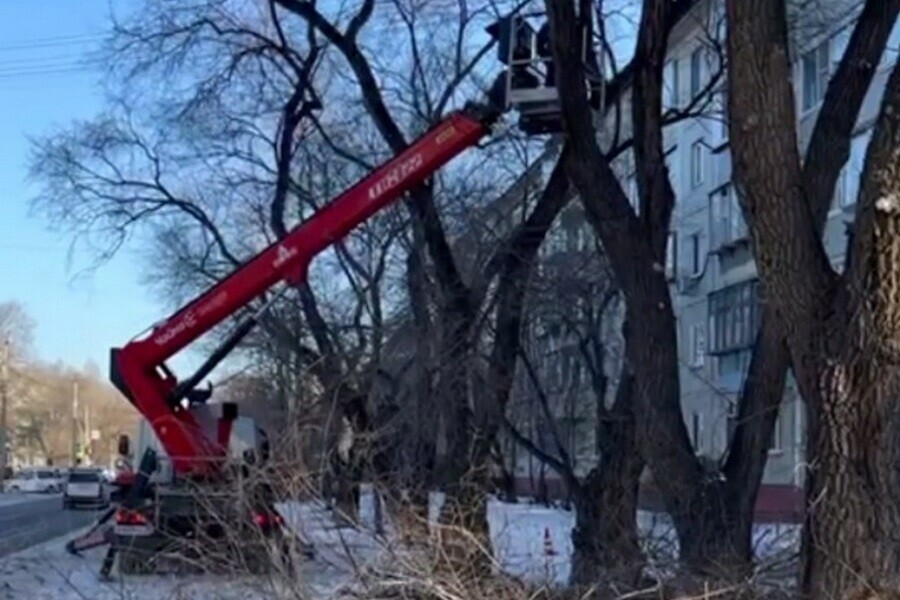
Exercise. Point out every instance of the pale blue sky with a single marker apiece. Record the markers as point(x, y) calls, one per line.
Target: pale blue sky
point(41, 85)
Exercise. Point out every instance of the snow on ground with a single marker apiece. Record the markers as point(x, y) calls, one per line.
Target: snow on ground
point(517, 532)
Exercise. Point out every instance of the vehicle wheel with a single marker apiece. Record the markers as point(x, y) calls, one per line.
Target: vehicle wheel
point(14, 489)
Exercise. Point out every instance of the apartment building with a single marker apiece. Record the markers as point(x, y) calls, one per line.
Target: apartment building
point(714, 279)
point(709, 263)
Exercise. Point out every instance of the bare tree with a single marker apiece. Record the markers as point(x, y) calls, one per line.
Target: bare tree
point(838, 329)
point(17, 326)
point(712, 511)
point(567, 370)
point(40, 414)
point(467, 455)
point(212, 172)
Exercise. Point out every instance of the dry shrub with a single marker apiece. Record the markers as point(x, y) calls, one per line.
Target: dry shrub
point(414, 559)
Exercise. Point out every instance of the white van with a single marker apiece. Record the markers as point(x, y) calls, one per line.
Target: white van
point(35, 480)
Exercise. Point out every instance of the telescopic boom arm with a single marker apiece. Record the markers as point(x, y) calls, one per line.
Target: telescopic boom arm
point(138, 369)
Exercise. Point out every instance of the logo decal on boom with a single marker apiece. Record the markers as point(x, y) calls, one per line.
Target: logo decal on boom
point(396, 175)
point(187, 322)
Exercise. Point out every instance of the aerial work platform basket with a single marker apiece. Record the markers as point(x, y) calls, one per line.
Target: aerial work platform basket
point(528, 84)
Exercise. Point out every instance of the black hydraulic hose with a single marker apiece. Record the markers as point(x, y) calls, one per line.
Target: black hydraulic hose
point(185, 387)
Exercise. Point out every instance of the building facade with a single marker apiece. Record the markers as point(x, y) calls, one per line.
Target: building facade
point(709, 262)
point(714, 279)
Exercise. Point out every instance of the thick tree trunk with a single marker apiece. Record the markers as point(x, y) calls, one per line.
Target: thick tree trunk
point(472, 433)
point(713, 509)
point(421, 429)
point(842, 332)
point(346, 505)
point(409, 513)
point(464, 533)
point(605, 537)
point(661, 433)
point(854, 488)
point(852, 365)
point(636, 248)
point(715, 539)
point(748, 452)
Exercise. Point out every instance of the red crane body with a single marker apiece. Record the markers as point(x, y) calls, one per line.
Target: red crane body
point(138, 368)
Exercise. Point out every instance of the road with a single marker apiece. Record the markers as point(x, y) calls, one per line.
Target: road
point(35, 519)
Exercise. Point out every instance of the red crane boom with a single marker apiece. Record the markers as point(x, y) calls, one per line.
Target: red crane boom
point(138, 369)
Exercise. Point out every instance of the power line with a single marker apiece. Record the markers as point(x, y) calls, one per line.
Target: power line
point(61, 70)
point(52, 42)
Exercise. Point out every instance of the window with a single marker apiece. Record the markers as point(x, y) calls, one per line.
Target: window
point(852, 172)
point(693, 254)
point(670, 84)
point(734, 314)
point(674, 173)
point(697, 70)
point(732, 419)
point(697, 156)
point(736, 362)
point(698, 345)
point(838, 46)
point(695, 430)
point(721, 114)
point(84, 477)
point(777, 444)
point(815, 75)
point(717, 20)
point(727, 224)
point(631, 190)
point(584, 238)
point(671, 253)
point(724, 124)
point(892, 48)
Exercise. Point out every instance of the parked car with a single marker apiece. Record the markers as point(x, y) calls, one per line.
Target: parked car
point(35, 480)
point(85, 486)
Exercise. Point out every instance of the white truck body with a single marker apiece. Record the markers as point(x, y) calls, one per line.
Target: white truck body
point(245, 436)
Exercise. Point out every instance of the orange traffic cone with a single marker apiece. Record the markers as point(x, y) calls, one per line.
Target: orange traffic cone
point(548, 543)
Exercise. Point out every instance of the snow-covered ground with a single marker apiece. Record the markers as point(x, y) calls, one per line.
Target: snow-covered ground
point(517, 531)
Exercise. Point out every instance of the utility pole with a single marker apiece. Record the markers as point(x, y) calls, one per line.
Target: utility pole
point(74, 422)
point(4, 397)
point(87, 444)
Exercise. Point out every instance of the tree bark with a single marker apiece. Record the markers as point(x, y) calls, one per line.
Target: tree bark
point(748, 450)
point(842, 332)
point(472, 450)
point(851, 538)
point(636, 249)
point(713, 511)
point(605, 537)
point(827, 152)
point(457, 314)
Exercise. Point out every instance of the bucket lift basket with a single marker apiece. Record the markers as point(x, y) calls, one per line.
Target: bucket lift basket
point(528, 84)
